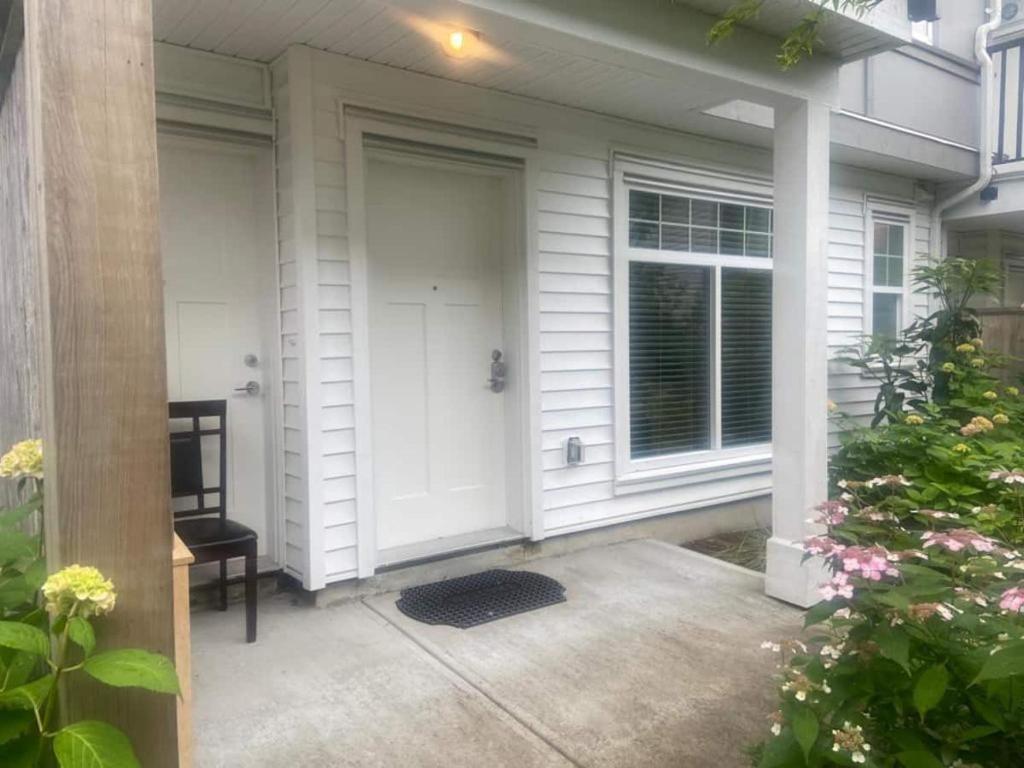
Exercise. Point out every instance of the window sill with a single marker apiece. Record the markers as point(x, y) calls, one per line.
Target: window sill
point(693, 473)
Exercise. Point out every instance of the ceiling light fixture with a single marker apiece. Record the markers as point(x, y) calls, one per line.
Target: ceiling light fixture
point(459, 42)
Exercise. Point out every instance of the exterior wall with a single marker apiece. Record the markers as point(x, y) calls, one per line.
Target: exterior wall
point(571, 184)
point(853, 192)
point(928, 88)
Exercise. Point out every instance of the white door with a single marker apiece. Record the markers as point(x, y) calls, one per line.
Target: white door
point(217, 241)
point(434, 235)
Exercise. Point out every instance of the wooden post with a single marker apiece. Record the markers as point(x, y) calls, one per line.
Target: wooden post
point(93, 205)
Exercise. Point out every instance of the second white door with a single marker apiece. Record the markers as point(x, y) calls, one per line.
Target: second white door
point(435, 233)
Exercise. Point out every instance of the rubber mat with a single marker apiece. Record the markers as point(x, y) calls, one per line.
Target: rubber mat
point(471, 600)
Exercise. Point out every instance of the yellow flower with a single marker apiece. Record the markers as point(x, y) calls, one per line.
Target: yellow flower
point(25, 459)
point(965, 349)
point(1001, 418)
point(979, 343)
point(989, 395)
point(80, 590)
point(976, 426)
point(913, 420)
point(978, 362)
point(948, 367)
point(1012, 391)
point(962, 448)
point(832, 407)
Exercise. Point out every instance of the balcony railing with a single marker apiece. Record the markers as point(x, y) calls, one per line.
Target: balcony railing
point(1008, 58)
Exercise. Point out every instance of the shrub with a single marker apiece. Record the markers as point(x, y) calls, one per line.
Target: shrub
point(915, 657)
point(47, 634)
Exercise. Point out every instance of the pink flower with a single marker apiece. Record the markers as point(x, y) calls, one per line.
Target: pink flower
point(871, 563)
point(958, 540)
point(1013, 600)
point(840, 586)
point(832, 513)
point(822, 545)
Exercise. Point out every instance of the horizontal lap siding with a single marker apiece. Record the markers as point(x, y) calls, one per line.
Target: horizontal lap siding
point(334, 335)
point(852, 392)
point(294, 437)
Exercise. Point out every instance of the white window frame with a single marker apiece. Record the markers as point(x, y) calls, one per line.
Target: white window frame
point(885, 212)
point(633, 475)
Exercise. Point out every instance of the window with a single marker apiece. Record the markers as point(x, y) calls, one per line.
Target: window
point(699, 327)
point(887, 271)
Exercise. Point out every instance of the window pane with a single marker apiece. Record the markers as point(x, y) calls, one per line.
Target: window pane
point(895, 240)
point(759, 220)
point(881, 243)
point(731, 242)
point(643, 234)
point(704, 240)
point(643, 205)
point(731, 216)
point(759, 245)
point(669, 358)
point(746, 357)
point(886, 314)
point(881, 270)
point(675, 209)
point(705, 213)
point(675, 238)
point(895, 272)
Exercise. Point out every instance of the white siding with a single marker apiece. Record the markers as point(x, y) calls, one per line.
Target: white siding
point(853, 392)
point(295, 511)
point(573, 243)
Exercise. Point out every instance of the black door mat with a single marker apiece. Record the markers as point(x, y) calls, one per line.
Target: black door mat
point(480, 598)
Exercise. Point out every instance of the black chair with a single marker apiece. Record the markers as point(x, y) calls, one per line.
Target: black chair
point(206, 529)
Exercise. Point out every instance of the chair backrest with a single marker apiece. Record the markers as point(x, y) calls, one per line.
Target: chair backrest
point(187, 457)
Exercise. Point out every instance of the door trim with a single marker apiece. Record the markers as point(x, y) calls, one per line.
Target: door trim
point(356, 127)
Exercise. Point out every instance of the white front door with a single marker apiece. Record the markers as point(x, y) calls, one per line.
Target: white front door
point(217, 242)
point(435, 253)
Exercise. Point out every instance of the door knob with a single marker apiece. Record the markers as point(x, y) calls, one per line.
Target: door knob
point(250, 388)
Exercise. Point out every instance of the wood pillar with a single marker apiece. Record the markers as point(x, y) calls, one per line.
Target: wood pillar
point(799, 346)
point(92, 168)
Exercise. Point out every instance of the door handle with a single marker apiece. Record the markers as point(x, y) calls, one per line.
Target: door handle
point(498, 372)
point(250, 388)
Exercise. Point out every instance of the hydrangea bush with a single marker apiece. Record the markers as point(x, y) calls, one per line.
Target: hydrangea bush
point(915, 656)
point(47, 634)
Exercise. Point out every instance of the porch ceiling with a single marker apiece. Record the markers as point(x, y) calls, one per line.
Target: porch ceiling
point(609, 62)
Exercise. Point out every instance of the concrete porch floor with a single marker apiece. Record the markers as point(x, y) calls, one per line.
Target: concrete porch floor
point(653, 661)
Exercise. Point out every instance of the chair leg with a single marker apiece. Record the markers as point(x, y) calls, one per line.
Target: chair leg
point(250, 596)
point(223, 586)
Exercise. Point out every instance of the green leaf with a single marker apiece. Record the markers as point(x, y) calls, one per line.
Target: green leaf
point(91, 744)
point(35, 574)
point(930, 688)
point(821, 611)
point(919, 759)
point(28, 696)
point(805, 729)
point(23, 752)
point(13, 516)
point(1005, 663)
point(895, 645)
point(81, 634)
point(130, 667)
point(14, 591)
point(24, 637)
point(15, 723)
point(17, 545)
point(782, 752)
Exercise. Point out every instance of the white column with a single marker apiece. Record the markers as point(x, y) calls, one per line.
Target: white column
point(799, 346)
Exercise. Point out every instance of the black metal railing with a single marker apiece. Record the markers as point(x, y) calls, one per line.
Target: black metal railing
point(1008, 58)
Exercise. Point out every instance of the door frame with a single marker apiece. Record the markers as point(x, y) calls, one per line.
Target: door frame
point(274, 379)
point(356, 126)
